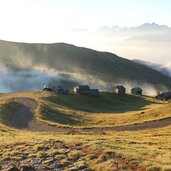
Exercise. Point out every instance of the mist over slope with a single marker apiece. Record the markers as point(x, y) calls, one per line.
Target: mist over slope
point(166, 70)
point(24, 79)
point(27, 66)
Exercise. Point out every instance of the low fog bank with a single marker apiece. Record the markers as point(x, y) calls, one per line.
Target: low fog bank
point(26, 79)
point(164, 69)
point(148, 89)
point(15, 78)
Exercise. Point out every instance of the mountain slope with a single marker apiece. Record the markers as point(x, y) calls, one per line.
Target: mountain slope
point(89, 63)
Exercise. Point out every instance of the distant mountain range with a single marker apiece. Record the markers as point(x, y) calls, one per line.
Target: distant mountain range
point(143, 27)
point(91, 67)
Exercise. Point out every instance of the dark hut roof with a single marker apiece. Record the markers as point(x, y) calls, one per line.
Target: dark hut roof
point(136, 89)
point(83, 87)
point(166, 94)
point(119, 87)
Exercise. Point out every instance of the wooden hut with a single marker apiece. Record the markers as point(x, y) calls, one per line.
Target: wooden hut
point(82, 89)
point(47, 88)
point(136, 91)
point(164, 96)
point(119, 90)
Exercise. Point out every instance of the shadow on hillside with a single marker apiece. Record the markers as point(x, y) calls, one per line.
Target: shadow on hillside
point(59, 117)
point(16, 115)
point(107, 102)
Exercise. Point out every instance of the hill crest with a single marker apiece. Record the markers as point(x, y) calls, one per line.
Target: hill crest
point(76, 65)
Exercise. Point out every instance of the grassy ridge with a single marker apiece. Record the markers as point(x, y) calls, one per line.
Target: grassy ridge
point(107, 110)
point(85, 111)
point(107, 102)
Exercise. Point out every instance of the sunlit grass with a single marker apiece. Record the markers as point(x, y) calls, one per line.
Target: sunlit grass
point(149, 148)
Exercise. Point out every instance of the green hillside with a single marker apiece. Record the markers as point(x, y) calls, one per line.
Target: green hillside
point(76, 110)
point(63, 57)
point(107, 102)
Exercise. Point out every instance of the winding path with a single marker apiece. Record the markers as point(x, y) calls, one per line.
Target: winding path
point(24, 119)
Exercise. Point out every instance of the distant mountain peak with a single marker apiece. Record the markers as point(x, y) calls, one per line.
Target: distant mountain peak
point(145, 26)
point(151, 26)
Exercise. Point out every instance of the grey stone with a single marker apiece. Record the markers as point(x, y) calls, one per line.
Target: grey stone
point(87, 169)
point(13, 168)
point(27, 168)
point(56, 165)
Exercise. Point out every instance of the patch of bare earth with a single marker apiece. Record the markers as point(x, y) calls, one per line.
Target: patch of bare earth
point(135, 127)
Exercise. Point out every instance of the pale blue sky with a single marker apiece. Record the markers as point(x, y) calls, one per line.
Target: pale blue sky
point(85, 14)
point(55, 20)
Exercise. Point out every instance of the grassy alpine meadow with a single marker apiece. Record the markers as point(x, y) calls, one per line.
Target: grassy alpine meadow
point(145, 149)
point(108, 109)
point(95, 150)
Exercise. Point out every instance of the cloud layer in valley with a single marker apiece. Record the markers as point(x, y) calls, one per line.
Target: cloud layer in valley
point(15, 78)
point(149, 42)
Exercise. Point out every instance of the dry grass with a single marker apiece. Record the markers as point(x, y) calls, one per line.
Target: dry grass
point(58, 110)
point(84, 111)
point(150, 148)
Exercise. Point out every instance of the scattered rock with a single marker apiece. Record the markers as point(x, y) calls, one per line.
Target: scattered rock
point(50, 156)
point(12, 168)
point(64, 146)
point(56, 165)
point(24, 156)
point(66, 163)
point(45, 148)
point(27, 168)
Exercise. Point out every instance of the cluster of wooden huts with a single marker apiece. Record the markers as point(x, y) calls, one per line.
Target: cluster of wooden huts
point(138, 91)
point(164, 96)
point(120, 90)
point(81, 89)
point(57, 89)
point(85, 89)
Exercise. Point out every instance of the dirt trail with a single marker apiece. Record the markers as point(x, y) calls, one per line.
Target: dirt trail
point(24, 119)
point(135, 127)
